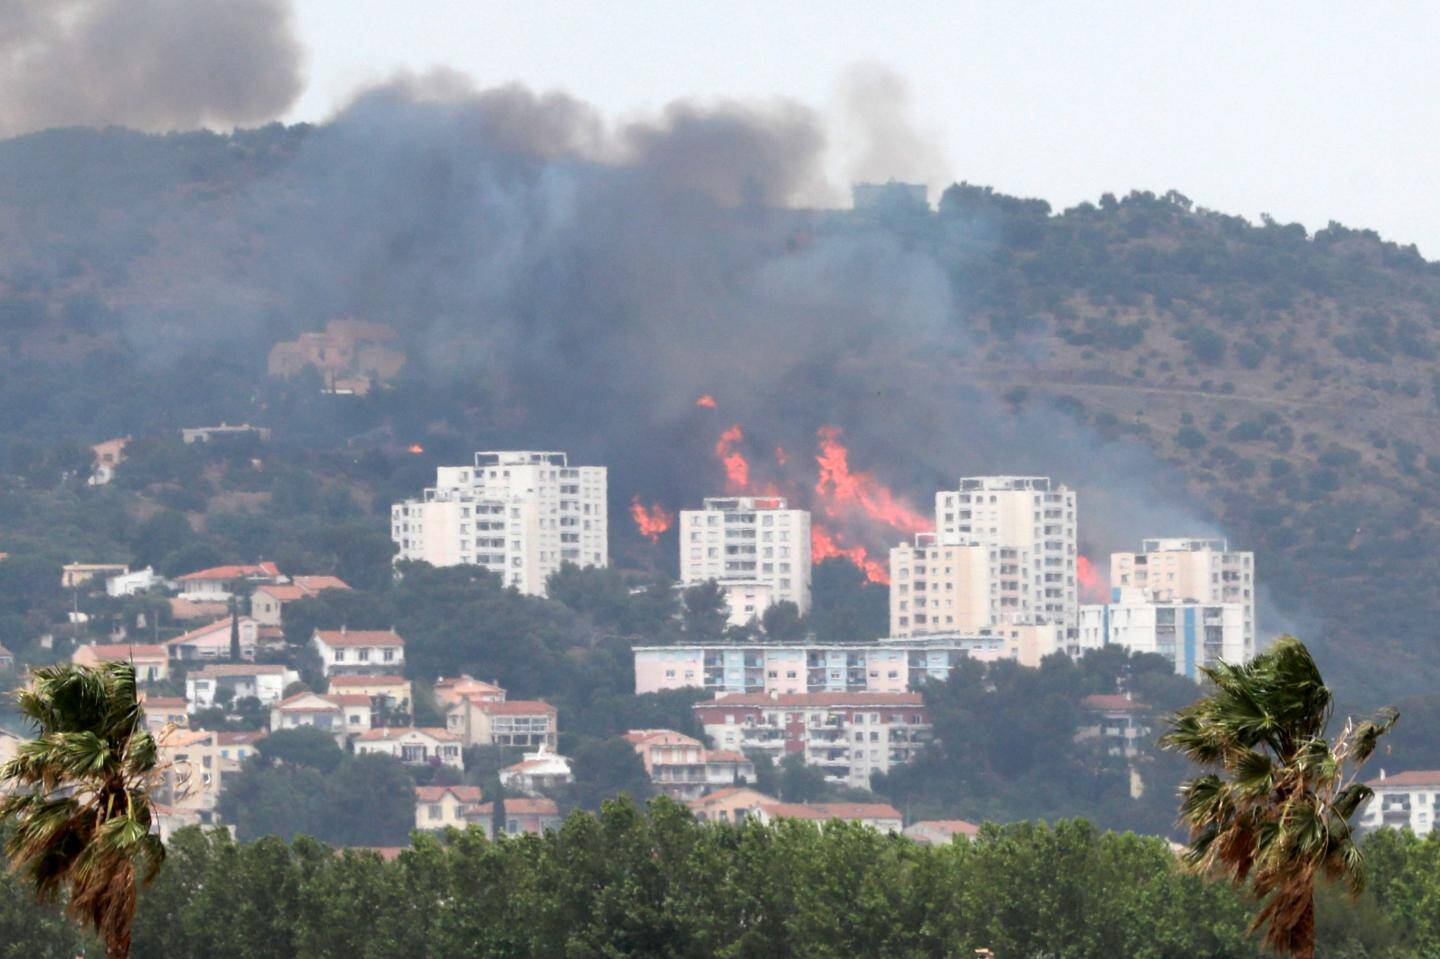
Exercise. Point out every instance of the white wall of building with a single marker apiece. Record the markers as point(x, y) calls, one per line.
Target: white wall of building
point(520, 514)
point(1190, 635)
point(1193, 570)
point(748, 540)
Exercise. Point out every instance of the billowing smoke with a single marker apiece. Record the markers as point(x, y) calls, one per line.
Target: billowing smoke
point(148, 64)
point(627, 294)
point(882, 138)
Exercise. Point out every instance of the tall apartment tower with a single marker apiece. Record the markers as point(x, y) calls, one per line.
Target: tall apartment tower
point(520, 514)
point(1202, 571)
point(1029, 525)
point(755, 547)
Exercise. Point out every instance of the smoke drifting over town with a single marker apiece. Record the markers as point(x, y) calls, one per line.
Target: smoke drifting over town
point(148, 64)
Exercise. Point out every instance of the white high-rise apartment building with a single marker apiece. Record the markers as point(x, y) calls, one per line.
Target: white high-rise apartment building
point(753, 546)
point(1191, 571)
point(1028, 525)
point(1190, 634)
point(518, 513)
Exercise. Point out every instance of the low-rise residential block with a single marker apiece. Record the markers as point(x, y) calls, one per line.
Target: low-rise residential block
point(1409, 799)
point(1191, 635)
point(390, 696)
point(522, 815)
point(267, 602)
point(848, 736)
point(731, 804)
point(214, 584)
point(211, 642)
point(683, 768)
point(336, 713)
point(941, 832)
point(359, 652)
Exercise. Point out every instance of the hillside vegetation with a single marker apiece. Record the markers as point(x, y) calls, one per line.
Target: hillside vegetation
point(1284, 385)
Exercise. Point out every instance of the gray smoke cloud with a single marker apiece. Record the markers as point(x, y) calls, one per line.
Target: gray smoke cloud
point(883, 138)
point(148, 64)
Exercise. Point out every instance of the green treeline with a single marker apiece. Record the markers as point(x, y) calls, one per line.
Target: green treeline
point(627, 883)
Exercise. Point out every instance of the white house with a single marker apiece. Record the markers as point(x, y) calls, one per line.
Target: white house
point(335, 713)
point(129, 584)
point(881, 816)
point(415, 746)
point(359, 652)
point(542, 769)
point(1410, 798)
point(233, 681)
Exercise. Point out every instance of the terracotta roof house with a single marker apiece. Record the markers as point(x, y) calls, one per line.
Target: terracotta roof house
point(732, 804)
point(214, 583)
point(212, 641)
point(522, 815)
point(443, 807)
point(940, 832)
point(152, 663)
point(368, 652)
point(881, 816)
point(267, 602)
point(413, 745)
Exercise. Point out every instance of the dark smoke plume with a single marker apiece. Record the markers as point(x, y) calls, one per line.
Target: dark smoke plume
point(149, 64)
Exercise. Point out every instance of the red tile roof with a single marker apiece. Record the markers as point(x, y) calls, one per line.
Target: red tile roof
point(726, 792)
point(466, 794)
point(831, 810)
point(316, 583)
point(814, 699)
point(221, 625)
point(1410, 777)
point(437, 733)
point(519, 806)
point(948, 827)
point(367, 681)
point(359, 637)
point(232, 572)
point(284, 592)
point(667, 737)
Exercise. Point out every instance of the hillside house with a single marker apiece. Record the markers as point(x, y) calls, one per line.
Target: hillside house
point(211, 642)
point(390, 696)
point(213, 585)
point(451, 690)
point(880, 816)
point(527, 723)
point(267, 602)
point(732, 804)
point(1405, 799)
point(337, 714)
point(941, 832)
point(359, 652)
point(229, 682)
point(444, 807)
point(152, 662)
point(163, 711)
point(522, 815)
point(413, 745)
point(539, 770)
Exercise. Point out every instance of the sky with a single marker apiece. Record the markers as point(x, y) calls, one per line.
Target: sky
point(1308, 112)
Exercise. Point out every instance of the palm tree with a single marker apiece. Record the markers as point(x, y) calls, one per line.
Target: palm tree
point(1276, 810)
point(80, 796)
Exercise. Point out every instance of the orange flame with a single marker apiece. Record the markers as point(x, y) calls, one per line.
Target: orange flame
point(650, 520)
point(737, 468)
point(1094, 588)
point(415, 449)
point(706, 401)
point(824, 545)
point(842, 491)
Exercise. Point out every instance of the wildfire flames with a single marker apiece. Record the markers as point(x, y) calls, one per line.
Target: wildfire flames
point(415, 449)
point(846, 505)
point(737, 468)
point(1093, 587)
point(706, 401)
point(650, 520)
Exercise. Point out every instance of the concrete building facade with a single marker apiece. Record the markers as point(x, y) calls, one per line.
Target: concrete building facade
point(1189, 634)
point(1179, 570)
point(520, 514)
point(755, 547)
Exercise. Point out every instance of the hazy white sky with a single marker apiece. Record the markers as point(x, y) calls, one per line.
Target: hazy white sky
point(1309, 112)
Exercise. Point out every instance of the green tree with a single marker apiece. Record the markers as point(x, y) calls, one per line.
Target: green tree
point(783, 623)
point(705, 611)
point(1276, 812)
point(84, 824)
point(606, 768)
